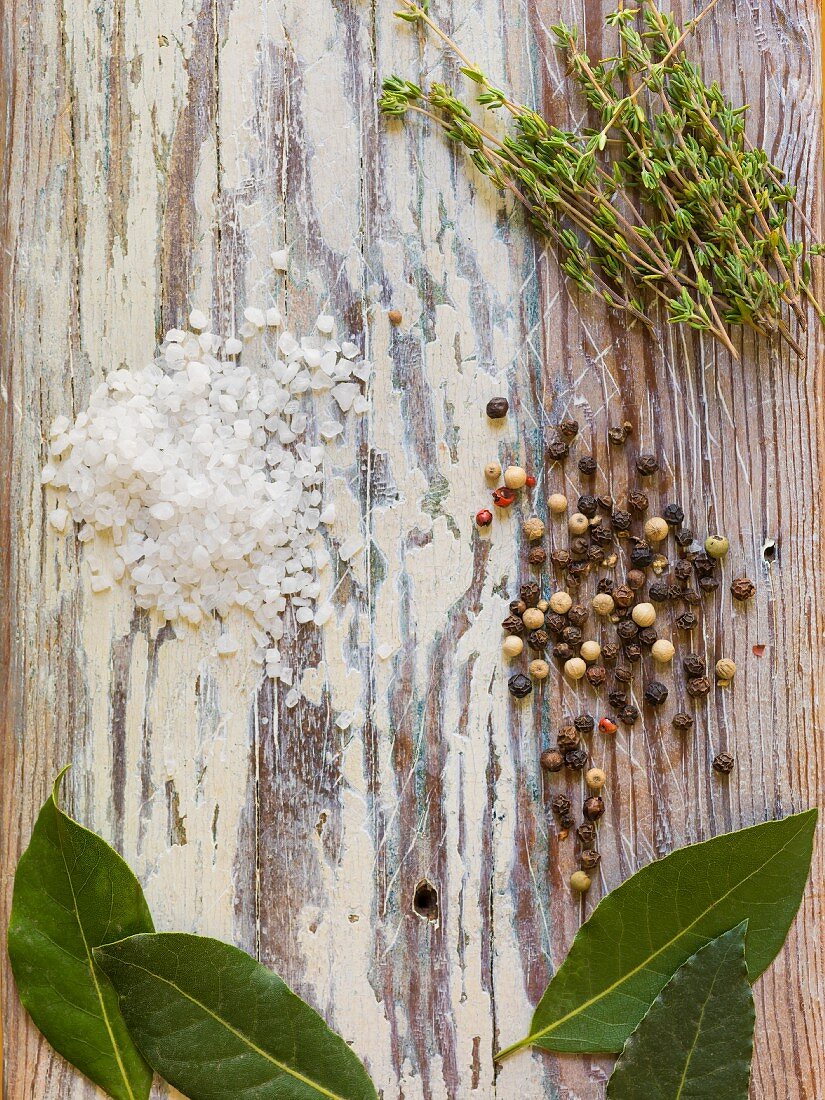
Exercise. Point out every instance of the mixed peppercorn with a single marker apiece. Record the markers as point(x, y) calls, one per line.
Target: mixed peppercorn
point(556, 624)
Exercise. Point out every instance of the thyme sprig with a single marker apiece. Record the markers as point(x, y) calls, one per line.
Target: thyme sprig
point(665, 199)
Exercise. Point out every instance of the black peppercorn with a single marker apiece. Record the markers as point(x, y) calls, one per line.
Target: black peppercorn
point(641, 555)
point(578, 614)
point(605, 585)
point(561, 558)
point(566, 823)
point(593, 807)
point(600, 534)
point(579, 545)
point(589, 859)
point(694, 665)
point(497, 407)
point(569, 428)
point(723, 763)
point(551, 760)
point(560, 804)
point(584, 723)
point(588, 465)
point(743, 589)
point(568, 738)
point(623, 596)
point(537, 556)
point(637, 501)
point(636, 579)
point(704, 566)
point(572, 635)
point(682, 722)
point(610, 651)
point(623, 674)
point(686, 621)
point(633, 651)
point(648, 635)
point(558, 450)
point(674, 591)
point(684, 536)
point(617, 698)
point(538, 639)
point(586, 833)
point(606, 502)
point(659, 592)
point(576, 759)
point(530, 593)
point(647, 465)
point(655, 693)
point(698, 686)
point(520, 685)
point(595, 555)
point(563, 652)
point(554, 623)
point(673, 514)
point(588, 505)
point(596, 676)
point(518, 607)
point(577, 571)
point(627, 630)
point(690, 597)
point(709, 584)
point(683, 570)
point(629, 714)
point(513, 625)
point(619, 432)
point(620, 520)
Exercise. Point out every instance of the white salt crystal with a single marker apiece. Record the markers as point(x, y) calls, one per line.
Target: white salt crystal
point(330, 429)
point(344, 720)
point(304, 615)
point(233, 346)
point(323, 614)
point(100, 583)
point(325, 323)
point(328, 514)
point(256, 317)
point(349, 350)
point(226, 645)
point(273, 317)
point(58, 518)
point(198, 320)
point(60, 424)
point(292, 698)
point(350, 547)
point(360, 404)
point(48, 474)
point(345, 393)
point(384, 651)
point(280, 259)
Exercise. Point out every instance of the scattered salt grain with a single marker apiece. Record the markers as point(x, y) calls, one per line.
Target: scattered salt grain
point(256, 317)
point(198, 320)
point(344, 720)
point(233, 346)
point(100, 583)
point(226, 645)
point(58, 518)
point(273, 317)
point(350, 547)
point(384, 651)
point(280, 259)
point(325, 323)
point(323, 614)
point(292, 698)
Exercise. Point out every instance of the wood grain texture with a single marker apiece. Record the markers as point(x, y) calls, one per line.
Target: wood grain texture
point(153, 155)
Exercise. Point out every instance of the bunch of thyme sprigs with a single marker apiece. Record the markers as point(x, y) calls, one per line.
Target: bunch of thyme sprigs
point(666, 200)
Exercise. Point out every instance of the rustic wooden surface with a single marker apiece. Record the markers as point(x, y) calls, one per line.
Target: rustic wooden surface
point(154, 154)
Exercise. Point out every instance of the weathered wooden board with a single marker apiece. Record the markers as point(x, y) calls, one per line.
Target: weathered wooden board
point(153, 154)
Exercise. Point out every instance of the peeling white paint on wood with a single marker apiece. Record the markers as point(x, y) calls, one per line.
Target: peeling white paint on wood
point(157, 154)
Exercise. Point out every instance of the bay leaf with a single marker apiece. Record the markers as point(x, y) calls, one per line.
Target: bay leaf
point(696, 1041)
point(215, 1023)
point(642, 932)
point(72, 893)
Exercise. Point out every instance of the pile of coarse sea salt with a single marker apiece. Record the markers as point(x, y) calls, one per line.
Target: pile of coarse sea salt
point(207, 474)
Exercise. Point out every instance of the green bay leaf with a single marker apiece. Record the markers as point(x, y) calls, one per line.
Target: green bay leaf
point(642, 932)
point(216, 1023)
point(72, 893)
point(696, 1041)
